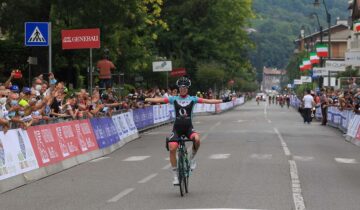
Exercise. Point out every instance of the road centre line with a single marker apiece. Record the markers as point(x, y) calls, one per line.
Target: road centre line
point(265, 111)
point(120, 195)
point(283, 144)
point(148, 178)
point(295, 181)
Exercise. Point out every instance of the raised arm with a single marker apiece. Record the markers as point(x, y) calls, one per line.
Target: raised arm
point(157, 100)
point(210, 101)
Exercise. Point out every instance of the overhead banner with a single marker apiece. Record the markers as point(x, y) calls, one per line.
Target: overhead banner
point(178, 72)
point(335, 65)
point(352, 58)
point(16, 154)
point(297, 82)
point(306, 79)
point(160, 66)
point(320, 71)
point(80, 38)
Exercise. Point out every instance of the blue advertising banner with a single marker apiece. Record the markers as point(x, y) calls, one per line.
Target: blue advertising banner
point(143, 117)
point(105, 131)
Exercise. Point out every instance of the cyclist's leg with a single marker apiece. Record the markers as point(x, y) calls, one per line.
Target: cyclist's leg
point(196, 139)
point(172, 148)
point(172, 155)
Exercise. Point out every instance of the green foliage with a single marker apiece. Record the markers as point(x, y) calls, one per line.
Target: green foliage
point(191, 33)
point(210, 74)
point(207, 31)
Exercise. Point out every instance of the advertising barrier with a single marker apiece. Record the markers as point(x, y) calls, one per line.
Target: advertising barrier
point(16, 154)
point(105, 132)
point(160, 113)
point(143, 117)
point(56, 142)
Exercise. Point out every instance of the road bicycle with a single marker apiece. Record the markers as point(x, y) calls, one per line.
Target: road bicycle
point(183, 163)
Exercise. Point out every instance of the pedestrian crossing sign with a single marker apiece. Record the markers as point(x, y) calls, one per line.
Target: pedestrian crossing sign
point(36, 34)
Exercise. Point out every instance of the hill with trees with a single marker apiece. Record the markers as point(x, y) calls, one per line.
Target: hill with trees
point(278, 24)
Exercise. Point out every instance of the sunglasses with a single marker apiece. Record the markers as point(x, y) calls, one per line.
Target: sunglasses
point(4, 96)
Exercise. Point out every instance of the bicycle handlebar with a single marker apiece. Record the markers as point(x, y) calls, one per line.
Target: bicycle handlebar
point(179, 139)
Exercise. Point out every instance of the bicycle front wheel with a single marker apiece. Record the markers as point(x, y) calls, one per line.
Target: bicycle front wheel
point(181, 173)
point(186, 175)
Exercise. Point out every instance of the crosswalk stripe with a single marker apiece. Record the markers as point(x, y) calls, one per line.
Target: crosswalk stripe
point(346, 160)
point(120, 195)
point(136, 158)
point(219, 156)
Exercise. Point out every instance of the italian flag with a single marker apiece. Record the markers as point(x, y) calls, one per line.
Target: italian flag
point(301, 67)
point(314, 59)
point(306, 63)
point(322, 50)
point(356, 26)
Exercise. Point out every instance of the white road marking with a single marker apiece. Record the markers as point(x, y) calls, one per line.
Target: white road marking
point(261, 156)
point(136, 158)
point(166, 167)
point(99, 159)
point(240, 121)
point(295, 181)
point(265, 111)
point(346, 160)
point(197, 122)
point(148, 178)
point(120, 195)
point(213, 209)
point(167, 158)
point(296, 187)
point(269, 121)
point(248, 131)
point(303, 158)
point(219, 156)
point(283, 144)
point(212, 127)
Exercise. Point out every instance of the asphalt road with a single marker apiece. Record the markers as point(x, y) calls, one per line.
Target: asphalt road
point(253, 157)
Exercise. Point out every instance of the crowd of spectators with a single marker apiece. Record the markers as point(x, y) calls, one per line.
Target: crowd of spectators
point(50, 100)
point(347, 98)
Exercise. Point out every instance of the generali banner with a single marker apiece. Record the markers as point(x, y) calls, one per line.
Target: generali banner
point(80, 38)
point(56, 142)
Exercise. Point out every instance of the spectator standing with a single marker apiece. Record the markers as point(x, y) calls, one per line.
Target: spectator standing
point(308, 105)
point(324, 106)
point(105, 66)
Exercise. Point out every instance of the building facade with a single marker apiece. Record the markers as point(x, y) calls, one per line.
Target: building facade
point(272, 78)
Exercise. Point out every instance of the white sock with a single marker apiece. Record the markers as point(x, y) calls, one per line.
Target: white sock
point(192, 155)
point(174, 171)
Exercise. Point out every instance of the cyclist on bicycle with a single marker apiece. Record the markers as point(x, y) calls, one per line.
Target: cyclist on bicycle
point(184, 105)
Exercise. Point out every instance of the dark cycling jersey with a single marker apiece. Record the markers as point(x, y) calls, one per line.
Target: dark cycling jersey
point(184, 107)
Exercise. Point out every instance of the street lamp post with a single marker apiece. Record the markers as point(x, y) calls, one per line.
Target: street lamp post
point(328, 19)
point(314, 14)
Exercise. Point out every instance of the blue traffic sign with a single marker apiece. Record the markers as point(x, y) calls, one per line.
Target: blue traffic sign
point(36, 34)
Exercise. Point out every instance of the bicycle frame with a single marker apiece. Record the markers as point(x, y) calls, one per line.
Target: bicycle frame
point(183, 163)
